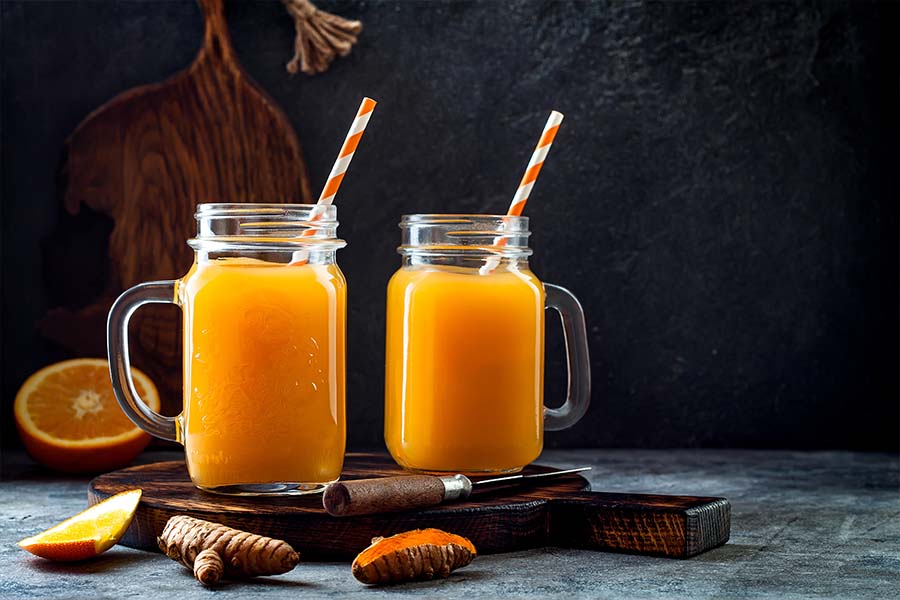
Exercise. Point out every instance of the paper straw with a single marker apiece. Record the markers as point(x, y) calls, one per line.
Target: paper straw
point(342, 163)
point(525, 186)
point(534, 165)
point(347, 150)
point(339, 169)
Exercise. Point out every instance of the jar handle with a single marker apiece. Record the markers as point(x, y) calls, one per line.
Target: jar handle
point(155, 292)
point(579, 365)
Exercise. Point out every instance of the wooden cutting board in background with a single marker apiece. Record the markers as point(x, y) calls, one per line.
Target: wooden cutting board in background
point(146, 159)
point(561, 512)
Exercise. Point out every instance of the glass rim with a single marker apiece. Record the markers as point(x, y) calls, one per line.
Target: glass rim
point(265, 226)
point(461, 234)
point(453, 217)
point(207, 210)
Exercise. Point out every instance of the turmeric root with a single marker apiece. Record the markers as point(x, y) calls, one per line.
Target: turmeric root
point(208, 567)
point(417, 554)
point(215, 551)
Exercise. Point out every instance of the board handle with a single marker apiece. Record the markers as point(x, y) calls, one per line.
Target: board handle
point(671, 526)
point(216, 41)
point(392, 494)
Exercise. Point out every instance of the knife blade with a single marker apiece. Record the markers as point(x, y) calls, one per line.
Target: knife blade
point(391, 494)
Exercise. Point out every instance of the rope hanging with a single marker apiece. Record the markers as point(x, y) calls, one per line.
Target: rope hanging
point(321, 36)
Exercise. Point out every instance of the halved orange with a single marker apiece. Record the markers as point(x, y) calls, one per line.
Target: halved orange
point(69, 420)
point(88, 533)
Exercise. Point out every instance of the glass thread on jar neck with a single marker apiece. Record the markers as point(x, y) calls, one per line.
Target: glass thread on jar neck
point(463, 239)
point(275, 233)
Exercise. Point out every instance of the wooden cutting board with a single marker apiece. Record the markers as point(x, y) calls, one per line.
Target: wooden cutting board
point(145, 159)
point(562, 513)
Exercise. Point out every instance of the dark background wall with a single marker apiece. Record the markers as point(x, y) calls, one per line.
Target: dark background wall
point(722, 195)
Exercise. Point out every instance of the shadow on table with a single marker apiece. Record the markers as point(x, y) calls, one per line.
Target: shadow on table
point(728, 552)
point(461, 576)
point(106, 562)
point(114, 561)
point(262, 581)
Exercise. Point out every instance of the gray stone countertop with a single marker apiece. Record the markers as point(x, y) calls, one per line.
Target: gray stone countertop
point(804, 525)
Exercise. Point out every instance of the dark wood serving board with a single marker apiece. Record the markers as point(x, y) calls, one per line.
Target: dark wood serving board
point(562, 512)
point(145, 159)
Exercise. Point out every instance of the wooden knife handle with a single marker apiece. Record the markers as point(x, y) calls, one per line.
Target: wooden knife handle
point(385, 494)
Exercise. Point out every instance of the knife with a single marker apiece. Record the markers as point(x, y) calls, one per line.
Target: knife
point(391, 494)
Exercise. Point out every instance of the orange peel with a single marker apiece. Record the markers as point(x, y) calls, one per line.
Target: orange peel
point(88, 533)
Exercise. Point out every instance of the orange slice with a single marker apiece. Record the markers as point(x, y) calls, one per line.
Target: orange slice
point(88, 533)
point(69, 420)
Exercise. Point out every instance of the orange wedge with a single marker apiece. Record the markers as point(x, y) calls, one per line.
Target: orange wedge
point(88, 533)
point(69, 420)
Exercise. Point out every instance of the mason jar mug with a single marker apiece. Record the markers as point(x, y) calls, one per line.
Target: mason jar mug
point(464, 375)
point(264, 313)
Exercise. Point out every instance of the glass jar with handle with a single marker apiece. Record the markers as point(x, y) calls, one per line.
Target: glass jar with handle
point(464, 371)
point(264, 313)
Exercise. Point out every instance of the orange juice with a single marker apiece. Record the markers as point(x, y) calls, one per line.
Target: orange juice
point(464, 368)
point(263, 372)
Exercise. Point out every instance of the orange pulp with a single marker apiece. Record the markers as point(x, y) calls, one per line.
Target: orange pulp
point(464, 368)
point(263, 372)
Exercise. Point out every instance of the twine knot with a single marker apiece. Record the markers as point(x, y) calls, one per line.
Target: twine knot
point(321, 36)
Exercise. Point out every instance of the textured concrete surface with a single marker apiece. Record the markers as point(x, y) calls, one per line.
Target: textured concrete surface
point(722, 195)
point(805, 525)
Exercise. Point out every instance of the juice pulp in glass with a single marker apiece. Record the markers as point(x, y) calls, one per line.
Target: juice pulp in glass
point(464, 369)
point(263, 372)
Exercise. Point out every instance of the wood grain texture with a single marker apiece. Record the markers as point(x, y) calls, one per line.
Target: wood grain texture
point(563, 512)
point(147, 158)
point(679, 526)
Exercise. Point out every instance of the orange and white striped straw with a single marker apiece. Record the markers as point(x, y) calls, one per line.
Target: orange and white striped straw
point(534, 165)
point(346, 154)
point(339, 169)
point(531, 174)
